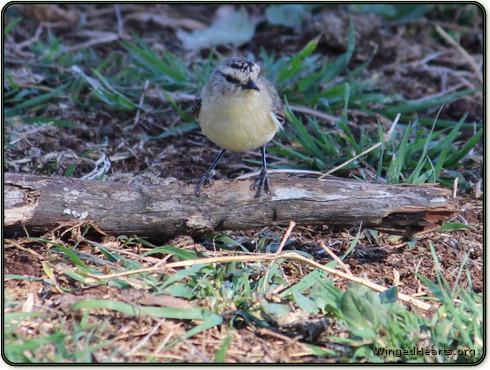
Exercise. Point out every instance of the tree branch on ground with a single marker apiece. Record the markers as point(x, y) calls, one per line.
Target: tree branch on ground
point(40, 203)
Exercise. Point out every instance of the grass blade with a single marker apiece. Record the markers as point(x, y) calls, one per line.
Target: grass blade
point(31, 103)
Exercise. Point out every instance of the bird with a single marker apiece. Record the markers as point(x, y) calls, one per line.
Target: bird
point(239, 110)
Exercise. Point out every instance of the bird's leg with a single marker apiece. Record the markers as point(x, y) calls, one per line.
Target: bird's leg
point(262, 183)
point(206, 179)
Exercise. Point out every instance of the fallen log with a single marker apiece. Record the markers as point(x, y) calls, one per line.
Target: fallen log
point(39, 204)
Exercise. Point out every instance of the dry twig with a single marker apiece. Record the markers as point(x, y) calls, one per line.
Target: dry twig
point(337, 259)
point(261, 257)
point(462, 51)
point(140, 104)
point(330, 119)
point(286, 236)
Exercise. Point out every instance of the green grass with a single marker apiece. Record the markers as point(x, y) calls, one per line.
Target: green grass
point(236, 291)
point(423, 150)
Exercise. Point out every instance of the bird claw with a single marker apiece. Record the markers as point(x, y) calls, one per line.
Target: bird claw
point(205, 180)
point(262, 184)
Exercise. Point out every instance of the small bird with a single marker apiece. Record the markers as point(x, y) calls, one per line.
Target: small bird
point(239, 110)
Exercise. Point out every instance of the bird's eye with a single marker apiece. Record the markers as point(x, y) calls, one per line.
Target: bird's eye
point(231, 79)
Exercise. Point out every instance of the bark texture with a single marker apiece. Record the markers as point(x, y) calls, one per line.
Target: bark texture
point(41, 203)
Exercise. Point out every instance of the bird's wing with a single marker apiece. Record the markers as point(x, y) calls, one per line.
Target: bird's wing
point(196, 105)
point(277, 108)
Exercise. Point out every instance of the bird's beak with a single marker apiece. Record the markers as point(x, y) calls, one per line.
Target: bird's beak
point(250, 85)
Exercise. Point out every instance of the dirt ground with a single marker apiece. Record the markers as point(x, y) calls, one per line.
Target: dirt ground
point(399, 47)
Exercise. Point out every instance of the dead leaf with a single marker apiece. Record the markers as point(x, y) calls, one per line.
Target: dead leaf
point(141, 297)
point(229, 27)
point(29, 302)
point(164, 301)
point(24, 76)
point(49, 13)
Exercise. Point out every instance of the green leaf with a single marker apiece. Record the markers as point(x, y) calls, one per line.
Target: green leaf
point(454, 226)
point(10, 316)
point(69, 171)
point(31, 103)
point(71, 255)
point(11, 25)
point(353, 243)
point(175, 313)
point(181, 274)
point(389, 296)
point(54, 121)
point(354, 309)
point(112, 257)
point(166, 68)
point(168, 249)
point(358, 70)
point(295, 63)
point(210, 321)
point(445, 145)
point(111, 96)
point(312, 81)
point(414, 176)
point(306, 304)
point(305, 283)
point(78, 277)
point(35, 343)
point(221, 352)
point(346, 131)
point(410, 107)
point(434, 288)
point(48, 271)
point(275, 308)
point(398, 160)
point(321, 351)
point(470, 144)
point(128, 309)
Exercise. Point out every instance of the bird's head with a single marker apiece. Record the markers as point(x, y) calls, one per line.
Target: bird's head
point(237, 73)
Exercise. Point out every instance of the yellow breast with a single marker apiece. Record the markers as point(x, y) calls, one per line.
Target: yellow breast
point(239, 122)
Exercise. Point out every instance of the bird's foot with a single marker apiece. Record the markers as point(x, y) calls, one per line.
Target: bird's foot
point(262, 184)
point(205, 180)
